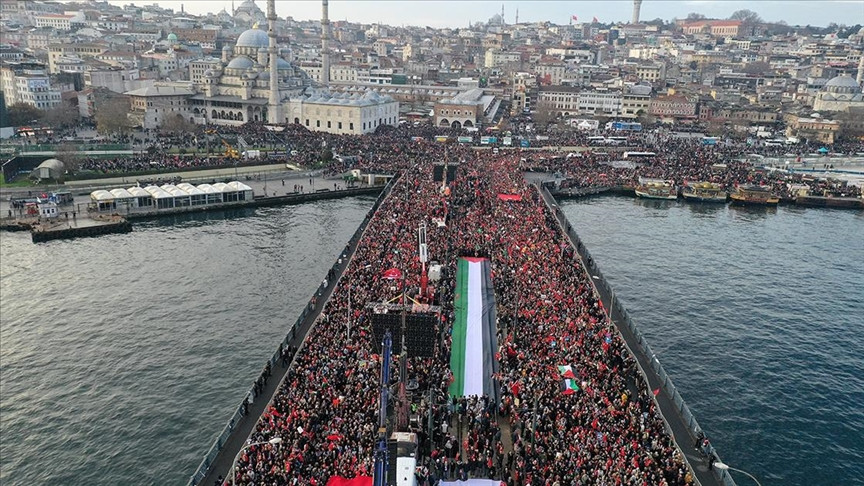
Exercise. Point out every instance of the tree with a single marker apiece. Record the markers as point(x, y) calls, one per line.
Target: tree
point(23, 114)
point(544, 115)
point(695, 16)
point(112, 117)
point(62, 115)
point(746, 16)
point(68, 154)
point(176, 124)
point(749, 21)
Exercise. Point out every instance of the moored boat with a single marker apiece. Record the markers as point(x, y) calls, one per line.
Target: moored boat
point(830, 201)
point(753, 195)
point(704, 192)
point(656, 189)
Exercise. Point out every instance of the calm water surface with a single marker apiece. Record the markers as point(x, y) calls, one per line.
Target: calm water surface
point(123, 356)
point(758, 316)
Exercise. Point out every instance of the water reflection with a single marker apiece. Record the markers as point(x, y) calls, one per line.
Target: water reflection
point(705, 208)
point(752, 213)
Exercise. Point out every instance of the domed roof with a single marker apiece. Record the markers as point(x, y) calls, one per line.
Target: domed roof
point(842, 81)
point(241, 62)
point(253, 38)
point(53, 164)
point(282, 64)
point(172, 37)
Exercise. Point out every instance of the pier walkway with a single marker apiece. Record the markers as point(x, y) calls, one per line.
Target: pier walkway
point(679, 420)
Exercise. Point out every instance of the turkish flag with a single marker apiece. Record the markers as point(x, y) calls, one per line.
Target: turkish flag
point(392, 274)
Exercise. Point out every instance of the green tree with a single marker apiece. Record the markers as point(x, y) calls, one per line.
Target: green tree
point(695, 16)
point(23, 114)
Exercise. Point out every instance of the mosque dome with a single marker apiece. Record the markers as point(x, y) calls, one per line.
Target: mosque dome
point(282, 64)
point(842, 84)
point(253, 38)
point(241, 62)
point(172, 37)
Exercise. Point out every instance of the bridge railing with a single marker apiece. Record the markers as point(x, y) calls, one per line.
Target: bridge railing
point(216, 447)
point(619, 314)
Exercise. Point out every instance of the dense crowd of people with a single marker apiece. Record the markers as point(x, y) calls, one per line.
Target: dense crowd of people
point(609, 432)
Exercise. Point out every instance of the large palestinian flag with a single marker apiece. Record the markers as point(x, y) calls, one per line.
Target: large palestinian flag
point(474, 343)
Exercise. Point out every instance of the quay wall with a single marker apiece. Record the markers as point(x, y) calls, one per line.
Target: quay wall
point(239, 428)
point(679, 420)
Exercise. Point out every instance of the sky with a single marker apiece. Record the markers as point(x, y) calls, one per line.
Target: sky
point(458, 13)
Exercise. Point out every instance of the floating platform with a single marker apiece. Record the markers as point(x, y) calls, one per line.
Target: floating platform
point(57, 229)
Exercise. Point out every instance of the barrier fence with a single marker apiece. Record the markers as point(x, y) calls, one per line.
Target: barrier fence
point(313, 304)
point(619, 315)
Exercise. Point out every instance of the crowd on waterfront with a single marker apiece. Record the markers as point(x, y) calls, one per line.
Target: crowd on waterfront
point(326, 411)
point(680, 159)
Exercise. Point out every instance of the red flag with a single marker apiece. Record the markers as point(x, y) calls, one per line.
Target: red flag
point(595, 20)
point(575, 18)
point(656, 392)
point(333, 437)
point(569, 374)
point(392, 274)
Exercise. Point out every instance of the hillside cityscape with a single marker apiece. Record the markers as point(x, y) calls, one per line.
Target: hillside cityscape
point(120, 68)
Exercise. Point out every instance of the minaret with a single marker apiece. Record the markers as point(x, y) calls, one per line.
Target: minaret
point(274, 108)
point(637, 4)
point(860, 77)
point(502, 15)
point(517, 16)
point(325, 44)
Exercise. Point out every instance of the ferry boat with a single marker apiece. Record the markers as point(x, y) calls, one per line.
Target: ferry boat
point(656, 189)
point(704, 192)
point(753, 195)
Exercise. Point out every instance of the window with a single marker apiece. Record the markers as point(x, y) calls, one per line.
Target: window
point(307, 122)
point(351, 126)
point(340, 125)
point(318, 123)
point(328, 124)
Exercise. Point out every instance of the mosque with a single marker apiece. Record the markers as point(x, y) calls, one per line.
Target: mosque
point(839, 94)
point(255, 82)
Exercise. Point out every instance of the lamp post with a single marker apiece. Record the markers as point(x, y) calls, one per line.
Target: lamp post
point(273, 441)
point(723, 467)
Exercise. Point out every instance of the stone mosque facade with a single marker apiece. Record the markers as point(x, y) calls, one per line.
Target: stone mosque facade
point(839, 94)
point(239, 88)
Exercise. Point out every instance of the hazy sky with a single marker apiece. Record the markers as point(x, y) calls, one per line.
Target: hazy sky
point(457, 13)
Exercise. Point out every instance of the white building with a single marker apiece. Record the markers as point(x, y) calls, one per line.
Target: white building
point(495, 58)
point(28, 83)
point(600, 102)
point(59, 21)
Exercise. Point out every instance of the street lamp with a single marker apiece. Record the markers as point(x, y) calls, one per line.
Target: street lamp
point(273, 441)
point(723, 467)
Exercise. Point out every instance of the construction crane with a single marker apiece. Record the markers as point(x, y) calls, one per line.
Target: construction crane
point(230, 151)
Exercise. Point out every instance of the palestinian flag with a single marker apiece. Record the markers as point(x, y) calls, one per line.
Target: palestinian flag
point(472, 358)
point(568, 383)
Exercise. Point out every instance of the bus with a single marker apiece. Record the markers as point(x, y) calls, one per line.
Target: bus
point(616, 140)
point(709, 140)
point(596, 140)
point(639, 155)
point(406, 458)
